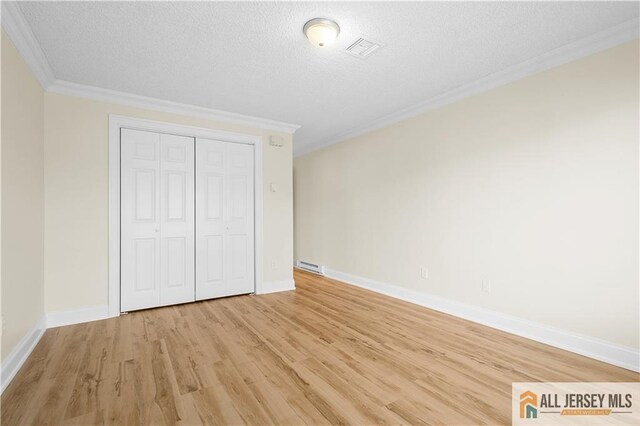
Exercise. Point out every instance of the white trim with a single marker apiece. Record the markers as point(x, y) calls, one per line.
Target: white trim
point(606, 39)
point(621, 356)
point(145, 102)
point(277, 286)
point(77, 316)
point(115, 123)
point(14, 361)
point(26, 43)
point(22, 36)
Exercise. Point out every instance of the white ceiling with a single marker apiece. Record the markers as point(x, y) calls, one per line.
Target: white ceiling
point(252, 58)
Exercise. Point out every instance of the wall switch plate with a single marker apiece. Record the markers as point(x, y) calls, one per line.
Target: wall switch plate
point(486, 286)
point(273, 187)
point(424, 273)
point(273, 264)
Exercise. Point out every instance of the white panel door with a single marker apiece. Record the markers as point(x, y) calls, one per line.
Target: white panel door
point(224, 219)
point(157, 220)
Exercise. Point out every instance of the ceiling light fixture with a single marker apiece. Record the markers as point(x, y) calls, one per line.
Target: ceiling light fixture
point(321, 32)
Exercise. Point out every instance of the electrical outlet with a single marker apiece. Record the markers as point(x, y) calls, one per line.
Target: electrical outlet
point(486, 286)
point(424, 273)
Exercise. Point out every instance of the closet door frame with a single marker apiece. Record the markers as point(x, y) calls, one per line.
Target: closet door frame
point(117, 122)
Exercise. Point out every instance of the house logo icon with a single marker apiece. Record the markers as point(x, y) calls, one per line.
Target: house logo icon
point(528, 405)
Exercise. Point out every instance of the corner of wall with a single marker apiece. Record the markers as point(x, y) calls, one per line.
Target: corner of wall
point(22, 209)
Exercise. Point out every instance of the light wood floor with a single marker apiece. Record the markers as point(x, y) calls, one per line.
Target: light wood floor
point(326, 353)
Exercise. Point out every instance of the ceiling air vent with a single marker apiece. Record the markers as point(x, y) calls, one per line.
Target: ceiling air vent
point(361, 48)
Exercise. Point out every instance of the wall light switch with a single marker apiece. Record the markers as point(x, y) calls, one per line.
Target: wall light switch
point(273, 187)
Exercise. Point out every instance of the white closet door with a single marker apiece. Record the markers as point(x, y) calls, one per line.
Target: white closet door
point(157, 219)
point(224, 219)
point(177, 228)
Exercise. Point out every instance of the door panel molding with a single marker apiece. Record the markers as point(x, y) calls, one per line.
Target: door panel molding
point(118, 122)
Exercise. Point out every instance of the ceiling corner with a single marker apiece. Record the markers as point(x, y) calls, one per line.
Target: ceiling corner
point(19, 31)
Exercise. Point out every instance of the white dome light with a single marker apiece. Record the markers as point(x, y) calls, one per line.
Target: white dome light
point(321, 32)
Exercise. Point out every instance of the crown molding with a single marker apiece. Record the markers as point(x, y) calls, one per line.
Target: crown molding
point(23, 38)
point(105, 95)
point(25, 41)
point(27, 45)
point(614, 36)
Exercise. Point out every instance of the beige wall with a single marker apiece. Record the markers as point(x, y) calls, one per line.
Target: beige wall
point(532, 186)
point(1, 315)
point(22, 198)
point(76, 198)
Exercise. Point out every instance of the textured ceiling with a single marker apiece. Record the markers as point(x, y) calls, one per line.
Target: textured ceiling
point(252, 58)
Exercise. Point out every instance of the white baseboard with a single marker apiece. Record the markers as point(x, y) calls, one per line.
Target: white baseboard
point(276, 286)
point(621, 356)
point(77, 316)
point(12, 363)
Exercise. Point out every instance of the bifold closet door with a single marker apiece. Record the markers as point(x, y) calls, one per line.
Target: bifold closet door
point(157, 219)
point(224, 219)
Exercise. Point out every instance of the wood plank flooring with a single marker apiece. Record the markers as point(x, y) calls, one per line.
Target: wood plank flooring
point(327, 353)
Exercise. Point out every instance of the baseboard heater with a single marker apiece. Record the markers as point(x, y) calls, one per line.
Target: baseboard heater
point(311, 267)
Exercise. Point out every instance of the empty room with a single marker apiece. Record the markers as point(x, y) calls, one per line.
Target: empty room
point(320, 213)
